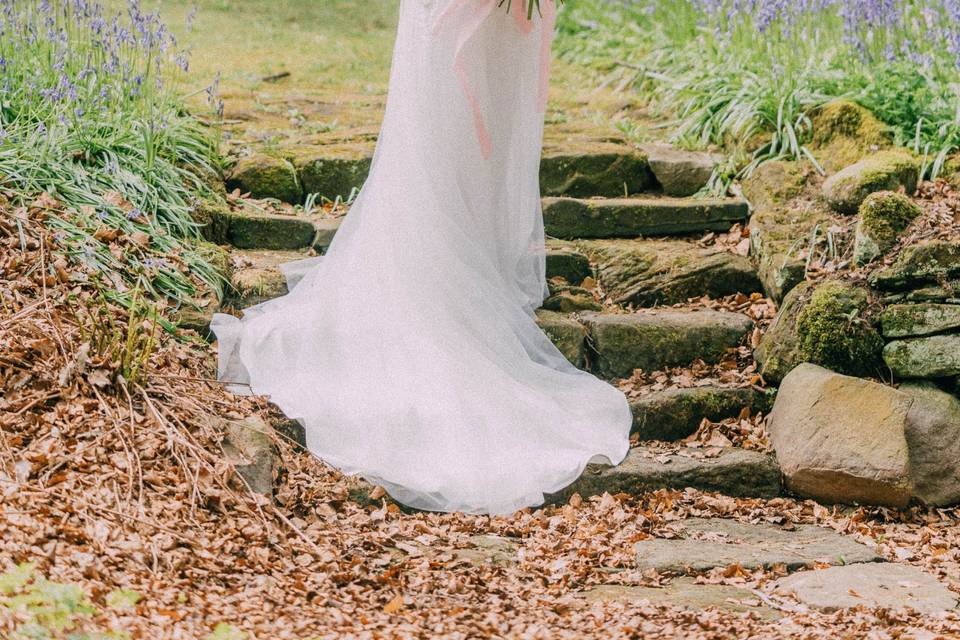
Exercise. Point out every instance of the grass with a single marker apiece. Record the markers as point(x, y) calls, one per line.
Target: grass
point(337, 54)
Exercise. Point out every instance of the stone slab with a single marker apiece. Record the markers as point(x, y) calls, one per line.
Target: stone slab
point(653, 340)
point(674, 414)
point(683, 593)
point(572, 218)
point(734, 472)
point(887, 585)
point(709, 543)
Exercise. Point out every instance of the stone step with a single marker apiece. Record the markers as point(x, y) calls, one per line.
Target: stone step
point(656, 339)
point(674, 414)
point(704, 544)
point(572, 218)
point(584, 169)
point(259, 278)
point(662, 271)
point(730, 471)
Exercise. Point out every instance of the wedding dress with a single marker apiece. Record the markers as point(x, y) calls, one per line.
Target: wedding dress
point(410, 351)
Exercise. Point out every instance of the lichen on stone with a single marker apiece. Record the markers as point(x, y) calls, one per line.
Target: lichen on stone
point(845, 132)
point(883, 217)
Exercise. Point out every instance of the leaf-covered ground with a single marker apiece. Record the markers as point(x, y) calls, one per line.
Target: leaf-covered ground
point(110, 479)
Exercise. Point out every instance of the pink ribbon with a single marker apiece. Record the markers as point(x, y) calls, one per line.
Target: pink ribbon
point(481, 11)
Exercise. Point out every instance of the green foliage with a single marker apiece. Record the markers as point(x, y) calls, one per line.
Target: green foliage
point(750, 79)
point(48, 609)
point(92, 115)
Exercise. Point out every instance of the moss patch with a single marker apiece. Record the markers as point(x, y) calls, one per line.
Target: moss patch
point(883, 217)
point(833, 332)
point(890, 170)
point(845, 132)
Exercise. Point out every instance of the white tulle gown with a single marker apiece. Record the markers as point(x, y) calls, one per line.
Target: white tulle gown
point(410, 350)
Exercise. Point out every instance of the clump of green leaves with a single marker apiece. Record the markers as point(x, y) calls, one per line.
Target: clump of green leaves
point(91, 114)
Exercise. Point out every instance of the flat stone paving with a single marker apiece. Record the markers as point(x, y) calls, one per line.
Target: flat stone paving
point(686, 593)
point(713, 542)
point(895, 586)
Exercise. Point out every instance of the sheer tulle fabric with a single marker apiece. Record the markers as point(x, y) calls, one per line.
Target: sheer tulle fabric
point(410, 350)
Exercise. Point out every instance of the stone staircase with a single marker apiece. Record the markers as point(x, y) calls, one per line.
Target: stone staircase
point(625, 217)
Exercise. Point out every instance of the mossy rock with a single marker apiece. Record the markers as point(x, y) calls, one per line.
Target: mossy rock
point(214, 220)
point(912, 320)
point(331, 177)
point(823, 324)
point(833, 332)
point(651, 272)
point(928, 357)
point(564, 261)
point(266, 177)
point(890, 170)
point(775, 183)
point(777, 235)
point(883, 217)
point(951, 171)
point(674, 414)
point(569, 336)
point(930, 263)
point(570, 299)
point(608, 171)
point(845, 132)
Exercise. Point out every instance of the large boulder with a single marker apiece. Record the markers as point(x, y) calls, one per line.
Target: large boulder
point(890, 170)
point(883, 217)
point(266, 177)
point(823, 324)
point(840, 439)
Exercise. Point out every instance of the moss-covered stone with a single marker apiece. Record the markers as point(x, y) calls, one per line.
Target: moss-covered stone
point(883, 217)
point(930, 263)
point(567, 334)
point(929, 357)
point(568, 299)
point(889, 170)
point(825, 325)
point(775, 183)
point(331, 177)
point(654, 340)
point(911, 320)
point(650, 272)
point(565, 261)
point(214, 220)
point(845, 132)
point(833, 332)
point(607, 171)
point(266, 177)
point(572, 218)
point(786, 208)
point(674, 414)
point(268, 231)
